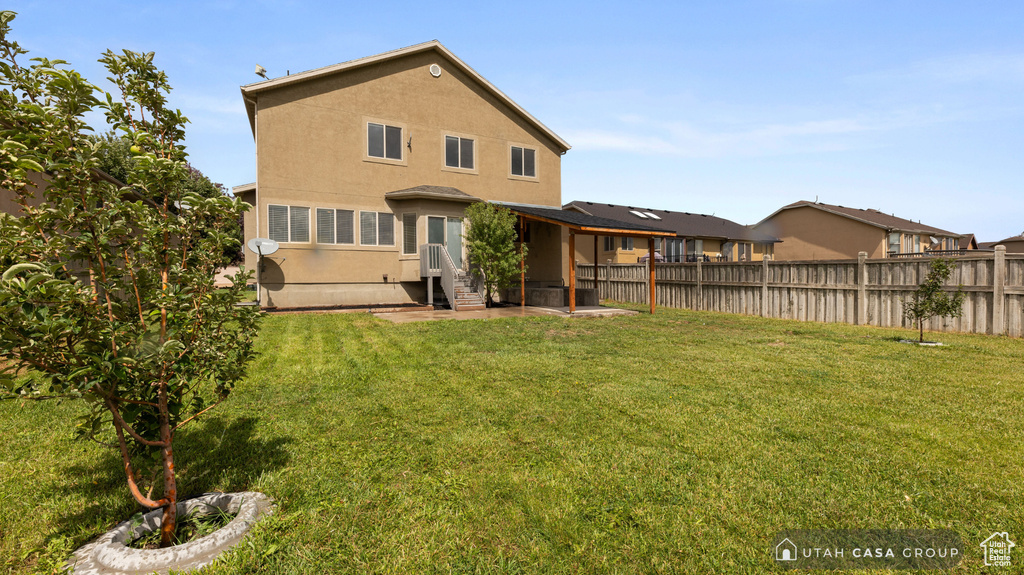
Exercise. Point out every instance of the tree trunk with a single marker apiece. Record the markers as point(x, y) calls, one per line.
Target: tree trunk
point(920, 326)
point(170, 518)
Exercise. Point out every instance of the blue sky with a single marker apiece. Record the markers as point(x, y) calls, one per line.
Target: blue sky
point(732, 108)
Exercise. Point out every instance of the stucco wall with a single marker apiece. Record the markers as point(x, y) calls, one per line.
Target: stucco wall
point(808, 233)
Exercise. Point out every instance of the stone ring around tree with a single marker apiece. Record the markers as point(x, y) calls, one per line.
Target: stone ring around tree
point(110, 555)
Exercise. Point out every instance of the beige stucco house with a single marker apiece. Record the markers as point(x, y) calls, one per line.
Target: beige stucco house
point(695, 236)
point(361, 164)
point(817, 231)
point(1013, 244)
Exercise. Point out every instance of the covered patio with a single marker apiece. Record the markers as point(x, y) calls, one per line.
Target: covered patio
point(579, 223)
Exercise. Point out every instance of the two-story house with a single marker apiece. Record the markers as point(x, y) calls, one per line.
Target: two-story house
point(361, 164)
point(818, 231)
point(696, 236)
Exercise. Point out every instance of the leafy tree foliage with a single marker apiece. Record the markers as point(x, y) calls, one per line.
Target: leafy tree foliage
point(491, 245)
point(106, 293)
point(116, 159)
point(931, 300)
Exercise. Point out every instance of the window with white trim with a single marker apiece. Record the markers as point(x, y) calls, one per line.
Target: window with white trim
point(609, 244)
point(288, 224)
point(376, 229)
point(335, 226)
point(409, 234)
point(524, 162)
point(383, 141)
point(459, 152)
point(627, 243)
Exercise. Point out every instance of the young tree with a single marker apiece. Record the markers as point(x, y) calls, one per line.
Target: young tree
point(491, 245)
point(107, 292)
point(930, 300)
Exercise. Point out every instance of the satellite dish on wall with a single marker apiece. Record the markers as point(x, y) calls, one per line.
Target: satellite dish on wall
point(262, 246)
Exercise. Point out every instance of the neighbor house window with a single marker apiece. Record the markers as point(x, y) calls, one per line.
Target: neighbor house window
point(458, 152)
point(609, 244)
point(376, 229)
point(408, 233)
point(673, 250)
point(894, 242)
point(288, 223)
point(335, 226)
point(627, 243)
point(383, 141)
point(524, 162)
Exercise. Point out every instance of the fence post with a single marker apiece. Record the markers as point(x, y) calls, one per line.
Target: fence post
point(764, 284)
point(700, 286)
point(608, 279)
point(862, 288)
point(998, 289)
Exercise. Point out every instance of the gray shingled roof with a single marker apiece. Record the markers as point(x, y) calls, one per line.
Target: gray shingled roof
point(574, 218)
point(873, 217)
point(683, 224)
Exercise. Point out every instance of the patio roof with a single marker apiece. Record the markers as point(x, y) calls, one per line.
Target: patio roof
point(578, 222)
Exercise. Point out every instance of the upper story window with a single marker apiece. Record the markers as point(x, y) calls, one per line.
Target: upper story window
point(383, 141)
point(627, 243)
point(524, 162)
point(459, 152)
point(288, 223)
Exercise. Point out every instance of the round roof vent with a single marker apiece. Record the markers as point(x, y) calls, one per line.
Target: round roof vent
point(435, 70)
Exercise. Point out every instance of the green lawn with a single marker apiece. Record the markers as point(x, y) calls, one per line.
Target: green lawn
point(674, 443)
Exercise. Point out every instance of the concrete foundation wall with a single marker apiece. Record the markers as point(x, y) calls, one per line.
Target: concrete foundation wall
point(326, 295)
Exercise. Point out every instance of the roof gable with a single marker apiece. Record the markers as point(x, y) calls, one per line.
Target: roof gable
point(870, 217)
point(250, 90)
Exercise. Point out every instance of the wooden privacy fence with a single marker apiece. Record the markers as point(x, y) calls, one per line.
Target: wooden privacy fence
point(861, 291)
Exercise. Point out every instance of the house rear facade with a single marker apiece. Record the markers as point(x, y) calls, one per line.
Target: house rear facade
point(361, 164)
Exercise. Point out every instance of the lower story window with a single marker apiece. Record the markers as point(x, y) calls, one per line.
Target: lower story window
point(376, 229)
point(408, 234)
point(288, 223)
point(335, 226)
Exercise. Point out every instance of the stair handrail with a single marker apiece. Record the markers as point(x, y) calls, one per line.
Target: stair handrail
point(448, 275)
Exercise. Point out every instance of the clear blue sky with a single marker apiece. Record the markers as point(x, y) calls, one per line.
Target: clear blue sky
point(732, 108)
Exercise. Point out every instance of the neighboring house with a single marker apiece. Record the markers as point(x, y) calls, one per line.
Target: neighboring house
point(817, 231)
point(361, 164)
point(968, 242)
point(1014, 244)
point(697, 236)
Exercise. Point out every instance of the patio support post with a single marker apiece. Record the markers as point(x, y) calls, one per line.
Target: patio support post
point(522, 263)
point(650, 259)
point(572, 272)
point(597, 291)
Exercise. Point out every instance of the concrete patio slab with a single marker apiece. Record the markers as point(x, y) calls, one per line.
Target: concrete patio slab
point(500, 312)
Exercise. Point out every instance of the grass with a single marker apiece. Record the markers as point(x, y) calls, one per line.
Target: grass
point(674, 443)
point(195, 525)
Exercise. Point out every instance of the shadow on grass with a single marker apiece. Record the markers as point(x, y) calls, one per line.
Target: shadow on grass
point(213, 454)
